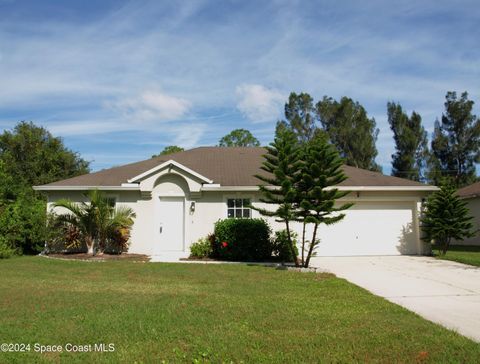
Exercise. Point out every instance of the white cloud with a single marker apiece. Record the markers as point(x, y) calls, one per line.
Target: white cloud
point(151, 106)
point(258, 103)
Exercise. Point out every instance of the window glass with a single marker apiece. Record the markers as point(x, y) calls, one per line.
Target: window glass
point(238, 208)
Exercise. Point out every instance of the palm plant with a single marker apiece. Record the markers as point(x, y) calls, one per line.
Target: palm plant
point(97, 220)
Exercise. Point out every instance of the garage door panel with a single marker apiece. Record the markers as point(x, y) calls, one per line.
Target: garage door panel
point(370, 229)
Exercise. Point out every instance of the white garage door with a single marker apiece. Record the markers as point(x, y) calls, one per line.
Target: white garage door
point(371, 229)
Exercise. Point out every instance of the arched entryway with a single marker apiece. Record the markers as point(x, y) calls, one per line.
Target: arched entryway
point(169, 196)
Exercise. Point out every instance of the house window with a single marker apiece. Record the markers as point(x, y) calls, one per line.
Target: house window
point(112, 201)
point(238, 208)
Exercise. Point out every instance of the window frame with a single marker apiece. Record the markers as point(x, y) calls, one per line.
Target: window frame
point(237, 197)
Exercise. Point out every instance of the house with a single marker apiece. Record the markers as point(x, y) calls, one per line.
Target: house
point(472, 195)
point(178, 198)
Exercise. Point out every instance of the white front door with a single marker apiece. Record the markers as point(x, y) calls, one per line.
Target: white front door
point(170, 224)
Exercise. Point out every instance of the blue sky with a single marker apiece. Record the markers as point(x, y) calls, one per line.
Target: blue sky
point(120, 80)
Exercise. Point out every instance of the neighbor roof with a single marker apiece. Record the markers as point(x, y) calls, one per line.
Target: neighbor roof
point(235, 166)
point(470, 191)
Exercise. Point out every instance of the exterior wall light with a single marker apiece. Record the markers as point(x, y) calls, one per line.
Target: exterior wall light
point(192, 207)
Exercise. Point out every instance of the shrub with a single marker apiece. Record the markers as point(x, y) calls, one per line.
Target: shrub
point(62, 237)
point(242, 240)
point(202, 248)
point(119, 241)
point(281, 246)
point(6, 251)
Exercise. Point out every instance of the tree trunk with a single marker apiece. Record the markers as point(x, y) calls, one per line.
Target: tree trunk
point(312, 245)
point(292, 249)
point(90, 243)
point(446, 245)
point(303, 243)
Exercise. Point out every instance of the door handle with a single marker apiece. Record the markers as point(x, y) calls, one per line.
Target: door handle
point(161, 229)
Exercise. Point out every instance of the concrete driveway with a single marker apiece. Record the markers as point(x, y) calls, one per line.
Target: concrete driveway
point(444, 292)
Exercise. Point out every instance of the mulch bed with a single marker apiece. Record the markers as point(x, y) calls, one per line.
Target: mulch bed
point(104, 257)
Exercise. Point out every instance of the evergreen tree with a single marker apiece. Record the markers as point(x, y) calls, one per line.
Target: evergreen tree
point(300, 116)
point(350, 130)
point(281, 164)
point(320, 170)
point(410, 138)
point(455, 146)
point(446, 217)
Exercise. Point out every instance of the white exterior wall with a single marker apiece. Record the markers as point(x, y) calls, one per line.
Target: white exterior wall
point(377, 218)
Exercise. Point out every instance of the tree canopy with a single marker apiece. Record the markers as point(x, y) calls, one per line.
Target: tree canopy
point(455, 146)
point(30, 155)
point(169, 150)
point(350, 130)
point(33, 156)
point(239, 138)
point(410, 143)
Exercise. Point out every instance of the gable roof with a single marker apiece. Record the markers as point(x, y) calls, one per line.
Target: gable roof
point(234, 166)
point(470, 191)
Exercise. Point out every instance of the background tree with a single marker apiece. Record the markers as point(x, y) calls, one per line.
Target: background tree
point(281, 164)
point(446, 217)
point(169, 150)
point(30, 155)
point(33, 156)
point(300, 116)
point(239, 138)
point(455, 146)
point(409, 160)
point(350, 130)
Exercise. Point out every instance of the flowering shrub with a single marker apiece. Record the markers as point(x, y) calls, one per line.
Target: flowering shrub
point(242, 240)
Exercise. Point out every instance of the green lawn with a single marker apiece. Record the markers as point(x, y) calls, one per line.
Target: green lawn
point(209, 313)
point(462, 254)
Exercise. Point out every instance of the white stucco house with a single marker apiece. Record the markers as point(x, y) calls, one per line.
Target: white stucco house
point(471, 194)
point(178, 198)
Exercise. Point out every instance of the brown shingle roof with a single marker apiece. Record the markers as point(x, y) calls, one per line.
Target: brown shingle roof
point(470, 191)
point(227, 166)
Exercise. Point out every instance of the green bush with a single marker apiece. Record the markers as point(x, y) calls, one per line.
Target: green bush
point(202, 248)
point(242, 240)
point(6, 251)
point(281, 247)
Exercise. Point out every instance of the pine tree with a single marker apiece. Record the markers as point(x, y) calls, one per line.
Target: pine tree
point(455, 146)
point(446, 217)
point(300, 116)
point(350, 130)
point(281, 164)
point(320, 170)
point(410, 138)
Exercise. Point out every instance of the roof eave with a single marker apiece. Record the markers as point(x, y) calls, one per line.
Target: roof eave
point(86, 188)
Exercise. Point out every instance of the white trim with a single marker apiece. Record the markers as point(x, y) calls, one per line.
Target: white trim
point(229, 188)
point(86, 188)
point(340, 188)
point(169, 163)
point(217, 187)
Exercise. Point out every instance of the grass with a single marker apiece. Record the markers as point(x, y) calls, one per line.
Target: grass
point(209, 313)
point(467, 254)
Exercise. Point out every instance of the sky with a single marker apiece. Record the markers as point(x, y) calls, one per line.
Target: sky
point(120, 80)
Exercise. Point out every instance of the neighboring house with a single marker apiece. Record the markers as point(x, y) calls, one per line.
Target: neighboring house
point(472, 195)
point(179, 197)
